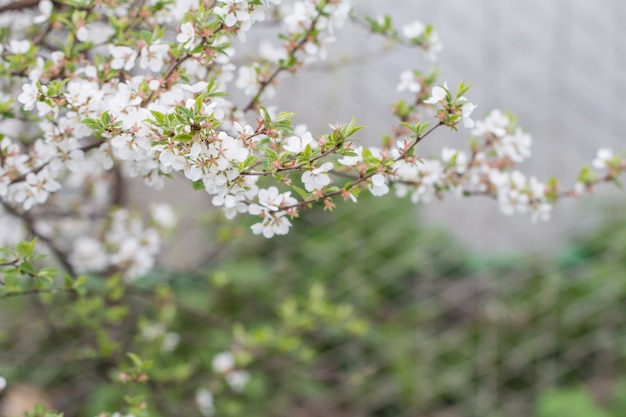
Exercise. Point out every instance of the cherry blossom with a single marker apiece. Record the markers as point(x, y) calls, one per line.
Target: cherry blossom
point(153, 56)
point(297, 144)
point(467, 110)
point(409, 82)
point(413, 30)
point(18, 46)
point(187, 35)
point(223, 362)
point(123, 57)
point(28, 97)
point(437, 95)
point(316, 179)
point(45, 10)
point(604, 156)
point(151, 105)
point(378, 186)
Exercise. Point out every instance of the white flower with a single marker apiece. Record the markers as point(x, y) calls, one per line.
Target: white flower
point(18, 47)
point(272, 53)
point(223, 362)
point(301, 14)
point(153, 56)
point(237, 379)
point(198, 87)
point(36, 188)
point(170, 341)
point(413, 30)
point(187, 35)
point(96, 32)
point(29, 95)
point(88, 254)
point(352, 160)
point(82, 34)
point(247, 80)
point(316, 179)
point(163, 215)
point(274, 224)
point(45, 10)
point(466, 111)
point(205, 402)
point(516, 146)
point(460, 159)
point(154, 85)
point(409, 82)
point(433, 46)
point(495, 123)
point(437, 94)
point(378, 185)
point(233, 12)
point(3, 383)
point(604, 156)
point(297, 144)
point(541, 212)
point(123, 57)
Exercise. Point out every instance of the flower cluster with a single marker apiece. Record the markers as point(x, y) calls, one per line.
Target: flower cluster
point(151, 101)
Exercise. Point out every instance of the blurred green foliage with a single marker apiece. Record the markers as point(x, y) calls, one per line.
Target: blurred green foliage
point(364, 312)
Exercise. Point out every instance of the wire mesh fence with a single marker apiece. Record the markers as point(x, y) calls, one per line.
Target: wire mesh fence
point(452, 333)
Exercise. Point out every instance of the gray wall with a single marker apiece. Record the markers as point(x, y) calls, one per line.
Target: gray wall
point(559, 65)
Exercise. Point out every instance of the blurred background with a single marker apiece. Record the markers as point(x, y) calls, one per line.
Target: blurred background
point(445, 310)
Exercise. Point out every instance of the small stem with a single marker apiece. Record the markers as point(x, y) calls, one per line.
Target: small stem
point(34, 291)
point(363, 178)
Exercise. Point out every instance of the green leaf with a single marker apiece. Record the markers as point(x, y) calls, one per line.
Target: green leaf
point(421, 128)
point(135, 359)
point(300, 191)
point(461, 89)
point(183, 137)
point(285, 117)
point(80, 281)
point(25, 249)
point(92, 123)
point(159, 117)
point(48, 272)
point(265, 113)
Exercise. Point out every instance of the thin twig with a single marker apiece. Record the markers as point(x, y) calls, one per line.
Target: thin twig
point(60, 254)
point(360, 179)
point(22, 177)
point(18, 5)
point(36, 291)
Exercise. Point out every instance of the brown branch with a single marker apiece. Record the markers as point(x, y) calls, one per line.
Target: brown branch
point(61, 256)
point(360, 179)
point(9, 263)
point(293, 167)
point(22, 177)
point(35, 291)
point(18, 5)
point(168, 74)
